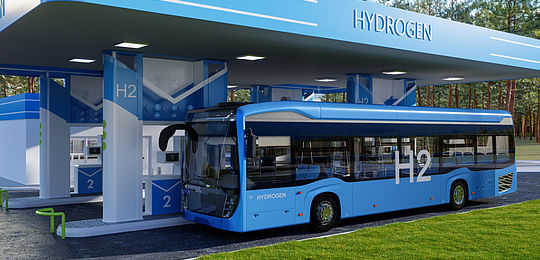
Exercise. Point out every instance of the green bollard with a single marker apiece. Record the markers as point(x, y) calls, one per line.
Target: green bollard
point(49, 212)
point(6, 201)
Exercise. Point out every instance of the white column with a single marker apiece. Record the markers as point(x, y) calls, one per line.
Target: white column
point(54, 140)
point(122, 141)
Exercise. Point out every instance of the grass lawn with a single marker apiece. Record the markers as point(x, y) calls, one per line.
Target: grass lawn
point(500, 233)
point(527, 150)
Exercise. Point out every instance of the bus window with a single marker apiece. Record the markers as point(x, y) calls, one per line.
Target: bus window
point(505, 150)
point(484, 151)
point(375, 159)
point(271, 168)
point(429, 144)
point(321, 157)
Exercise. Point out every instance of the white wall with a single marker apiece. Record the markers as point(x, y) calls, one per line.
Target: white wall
point(290, 94)
point(19, 150)
point(153, 131)
point(81, 131)
point(32, 152)
point(383, 89)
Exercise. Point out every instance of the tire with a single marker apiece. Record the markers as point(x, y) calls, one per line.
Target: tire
point(458, 195)
point(324, 213)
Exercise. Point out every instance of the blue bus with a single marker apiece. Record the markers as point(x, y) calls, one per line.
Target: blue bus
point(266, 165)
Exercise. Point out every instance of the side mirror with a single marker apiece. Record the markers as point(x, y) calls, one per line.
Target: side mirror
point(251, 146)
point(169, 131)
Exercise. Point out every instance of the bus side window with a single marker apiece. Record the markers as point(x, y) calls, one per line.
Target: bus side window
point(505, 150)
point(271, 167)
point(484, 151)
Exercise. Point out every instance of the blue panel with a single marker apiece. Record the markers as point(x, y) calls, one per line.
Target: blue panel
point(410, 100)
point(90, 180)
point(356, 21)
point(261, 94)
point(270, 208)
point(35, 71)
point(57, 100)
point(122, 85)
point(81, 113)
point(341, 111)
point(309, 109)
point(166, 196)
point(376, 196)
point(22, 106)
point(53, 97)
point(359, 89)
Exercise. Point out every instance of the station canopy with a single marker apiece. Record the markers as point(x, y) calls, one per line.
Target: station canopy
point(301, 40)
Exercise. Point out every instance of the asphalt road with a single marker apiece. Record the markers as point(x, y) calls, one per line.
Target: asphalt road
point(23, 235)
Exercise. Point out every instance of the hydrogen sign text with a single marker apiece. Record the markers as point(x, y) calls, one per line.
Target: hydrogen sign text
point(280, 195)
point(390, 25)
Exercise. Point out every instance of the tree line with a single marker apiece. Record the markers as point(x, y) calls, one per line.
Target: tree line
point(519, 97)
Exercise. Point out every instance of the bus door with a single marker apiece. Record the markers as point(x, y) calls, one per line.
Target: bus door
point(270, 184)
point(423, 187)
point(374, 189)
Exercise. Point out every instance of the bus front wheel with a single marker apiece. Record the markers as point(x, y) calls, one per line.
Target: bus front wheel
point(458, 195)
point(324, 213)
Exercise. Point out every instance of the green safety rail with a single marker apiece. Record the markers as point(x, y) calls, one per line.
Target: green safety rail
point(49, 212)
point(2, 192)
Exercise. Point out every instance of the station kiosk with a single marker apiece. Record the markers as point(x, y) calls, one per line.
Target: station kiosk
point(88, 178)
point(163, 190)
point(86, 167)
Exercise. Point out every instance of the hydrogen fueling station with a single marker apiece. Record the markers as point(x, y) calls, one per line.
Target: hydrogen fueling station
point(114, 74)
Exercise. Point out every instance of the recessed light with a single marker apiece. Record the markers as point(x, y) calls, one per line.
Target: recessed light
point(232, 86)
point(81, 60)
point(250, 57)
point(395, 72)
point(325, 79)
point(131, 45)
point(453, 78)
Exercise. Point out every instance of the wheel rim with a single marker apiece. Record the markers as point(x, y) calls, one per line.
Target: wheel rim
point(325, 212)
point(459, 195)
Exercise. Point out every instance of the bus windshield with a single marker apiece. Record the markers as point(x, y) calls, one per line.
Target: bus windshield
point(212, 174)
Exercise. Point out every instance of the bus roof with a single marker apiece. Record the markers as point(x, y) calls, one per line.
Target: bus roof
point(295, 110)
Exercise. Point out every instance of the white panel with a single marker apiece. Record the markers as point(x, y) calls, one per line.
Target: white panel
point(290, 94)
point(85, 131)
point(87, 89)
point(382, 90)
point(122, 165)
point(54, 156)
point(153, 131)
point(32, 152)
point(12, 148)
point(170, 76)
point(398, 88)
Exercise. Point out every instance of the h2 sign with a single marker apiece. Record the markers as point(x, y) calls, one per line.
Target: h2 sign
point(129, 91)
point(410, 166)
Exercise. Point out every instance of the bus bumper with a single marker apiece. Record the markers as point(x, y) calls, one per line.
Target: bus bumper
point(233, 223)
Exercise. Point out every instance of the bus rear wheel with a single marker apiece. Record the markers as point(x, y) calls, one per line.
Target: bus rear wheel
point(324, 213)
point(458, 195)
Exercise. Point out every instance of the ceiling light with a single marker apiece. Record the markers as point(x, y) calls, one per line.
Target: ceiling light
point(325, 79)
point(453, 78)
point(81, 60)
point(395, 72)
point(131, 45)
point(232, 86)
point(250, 57)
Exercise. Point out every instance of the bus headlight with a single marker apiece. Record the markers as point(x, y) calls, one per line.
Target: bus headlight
point(228, 206)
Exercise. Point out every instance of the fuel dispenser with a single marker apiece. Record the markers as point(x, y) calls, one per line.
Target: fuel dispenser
point(88, 177)
point(163, 189)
